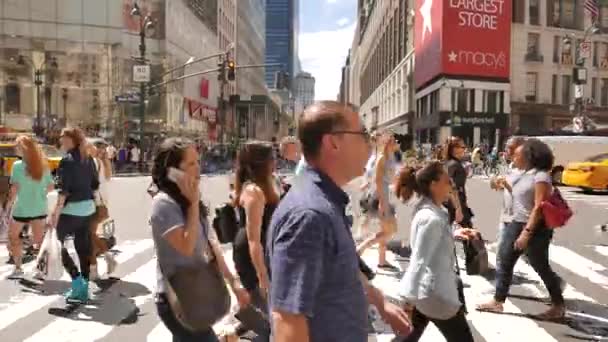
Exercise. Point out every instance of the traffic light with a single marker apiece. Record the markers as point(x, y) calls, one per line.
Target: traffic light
point(221, 76)
point(231, 70)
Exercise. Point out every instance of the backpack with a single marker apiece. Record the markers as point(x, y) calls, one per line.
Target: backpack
point(225, 223)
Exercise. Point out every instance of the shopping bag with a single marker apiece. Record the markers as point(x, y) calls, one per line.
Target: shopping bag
point(48, 261)
point(4, 222)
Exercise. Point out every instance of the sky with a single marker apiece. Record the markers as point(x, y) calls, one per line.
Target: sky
point(326, 33)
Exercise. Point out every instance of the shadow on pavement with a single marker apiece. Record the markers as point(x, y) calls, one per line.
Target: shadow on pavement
point(112, 301)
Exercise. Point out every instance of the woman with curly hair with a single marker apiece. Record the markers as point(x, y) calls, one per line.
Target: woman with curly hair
point(527, 232)
point(30, 183)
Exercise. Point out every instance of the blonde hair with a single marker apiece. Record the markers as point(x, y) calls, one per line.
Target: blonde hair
point(33, 157)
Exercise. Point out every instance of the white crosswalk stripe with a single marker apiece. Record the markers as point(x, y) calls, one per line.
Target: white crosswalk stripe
point(138, 259)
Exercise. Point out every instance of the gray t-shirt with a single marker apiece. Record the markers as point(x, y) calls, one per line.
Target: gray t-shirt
point(166, 216)
point(506, 214)
point(523, 193)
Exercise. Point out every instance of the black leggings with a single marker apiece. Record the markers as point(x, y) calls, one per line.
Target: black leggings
point(455, 329)
point(79, 227)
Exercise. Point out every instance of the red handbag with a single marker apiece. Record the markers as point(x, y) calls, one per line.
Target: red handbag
point(556, 210)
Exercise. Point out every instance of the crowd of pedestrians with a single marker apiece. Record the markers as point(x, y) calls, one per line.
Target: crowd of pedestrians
point(299, 273)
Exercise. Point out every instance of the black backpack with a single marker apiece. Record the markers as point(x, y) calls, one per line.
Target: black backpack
point(225, 223)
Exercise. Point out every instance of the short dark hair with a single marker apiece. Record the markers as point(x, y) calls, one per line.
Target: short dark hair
point(537, 155)
point(318, 120)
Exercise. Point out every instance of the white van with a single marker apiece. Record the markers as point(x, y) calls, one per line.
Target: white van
point(568, 149)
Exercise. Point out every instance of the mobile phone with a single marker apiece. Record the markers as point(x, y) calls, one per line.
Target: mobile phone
point(174, 174)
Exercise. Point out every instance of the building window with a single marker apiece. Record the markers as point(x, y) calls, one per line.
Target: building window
point(519, 11)
point(13, 99)
point(534, 48)
point(531, 79)
point(534, 12)
point(472, 100)
point(604, 92)
point(554, 89)
point(491, 102)
point(435, 101)
point(603, 19)
point(556, 43)
point(566, 86)
point(461, 105)
point(563, 13)
point(594, 90)
point(596, 52)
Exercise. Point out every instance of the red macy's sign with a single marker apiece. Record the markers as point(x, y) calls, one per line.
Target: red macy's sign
point(462, 38)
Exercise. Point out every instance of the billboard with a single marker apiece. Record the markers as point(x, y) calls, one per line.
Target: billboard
point(469, 38)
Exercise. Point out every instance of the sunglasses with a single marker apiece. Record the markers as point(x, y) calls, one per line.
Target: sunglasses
point(364, 133)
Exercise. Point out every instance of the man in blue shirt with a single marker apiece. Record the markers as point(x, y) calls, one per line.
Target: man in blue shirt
point(317, 292)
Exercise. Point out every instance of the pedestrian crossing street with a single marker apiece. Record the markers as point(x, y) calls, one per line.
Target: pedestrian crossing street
point(125, 309)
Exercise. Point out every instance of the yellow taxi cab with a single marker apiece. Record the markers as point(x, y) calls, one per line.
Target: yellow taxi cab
point(8, 156)
point(589, 175)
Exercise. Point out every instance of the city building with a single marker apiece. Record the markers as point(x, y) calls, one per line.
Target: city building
point(545, 37)
point(462, 86)
point(282, 30)
point(83, 52)
point(344, 94)
point(250, 47)
point(304, 92)
point(382, 62)
point(226, 33)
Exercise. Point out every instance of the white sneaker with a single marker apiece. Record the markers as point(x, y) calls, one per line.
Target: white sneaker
point(111, 262)
point(38, 275)
point(16, 274)
point(93, 273)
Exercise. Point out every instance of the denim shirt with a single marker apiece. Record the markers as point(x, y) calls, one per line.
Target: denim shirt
point(430, 281)
point(313, 262)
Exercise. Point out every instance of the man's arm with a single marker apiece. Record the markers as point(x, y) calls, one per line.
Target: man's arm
point(296, 266)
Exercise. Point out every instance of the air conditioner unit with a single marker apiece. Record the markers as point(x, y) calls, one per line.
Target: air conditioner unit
point(604, 63)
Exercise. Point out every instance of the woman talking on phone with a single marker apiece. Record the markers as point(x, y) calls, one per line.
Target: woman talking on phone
point(182, 236)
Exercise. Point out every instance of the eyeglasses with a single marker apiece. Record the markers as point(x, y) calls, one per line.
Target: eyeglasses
point(364, 133)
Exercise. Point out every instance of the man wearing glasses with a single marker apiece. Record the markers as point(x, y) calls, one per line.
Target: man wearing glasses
point(317, 291)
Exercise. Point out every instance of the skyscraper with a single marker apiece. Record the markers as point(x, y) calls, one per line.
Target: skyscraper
point(282, 30)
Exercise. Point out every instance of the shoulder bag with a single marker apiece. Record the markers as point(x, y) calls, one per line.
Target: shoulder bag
point(198, 295)
point(556, 211)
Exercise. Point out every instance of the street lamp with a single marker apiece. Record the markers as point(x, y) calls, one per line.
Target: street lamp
point(146, 23)
point(579, 74)
point(52, 62)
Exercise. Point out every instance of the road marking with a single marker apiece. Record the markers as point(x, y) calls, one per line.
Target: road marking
point(578, 265)
point(19, 306)
point(160, 333)
point(602, 250)
point(492, 327)
point(87, 329)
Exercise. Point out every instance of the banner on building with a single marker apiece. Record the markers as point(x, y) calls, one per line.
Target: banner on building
point(469, 38)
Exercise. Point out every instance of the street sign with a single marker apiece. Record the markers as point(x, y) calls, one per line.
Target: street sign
point(141, 73)
point(578, 91)
point(585, 49)
point(127, 98)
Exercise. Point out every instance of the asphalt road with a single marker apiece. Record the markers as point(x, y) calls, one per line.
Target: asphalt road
point(125, 309)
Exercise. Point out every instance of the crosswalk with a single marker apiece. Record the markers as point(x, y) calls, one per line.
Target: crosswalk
point(125, 308)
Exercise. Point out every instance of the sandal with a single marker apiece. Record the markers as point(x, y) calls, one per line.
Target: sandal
point(555, 313)
point(492, 306)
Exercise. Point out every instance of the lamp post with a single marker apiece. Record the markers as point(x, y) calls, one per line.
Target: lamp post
point(22, 60)
point(579, 74)
point(145, 23)
point(64, 96)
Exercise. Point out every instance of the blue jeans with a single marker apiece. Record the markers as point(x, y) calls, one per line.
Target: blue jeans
point(179, 332)
point(538, 255)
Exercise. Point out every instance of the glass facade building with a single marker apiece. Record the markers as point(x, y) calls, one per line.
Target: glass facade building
point(282, 29)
